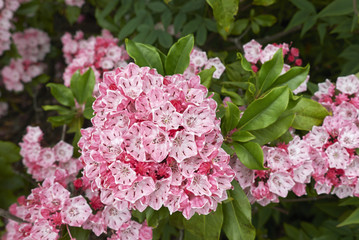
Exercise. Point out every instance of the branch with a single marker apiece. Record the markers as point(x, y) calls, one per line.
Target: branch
point(269, 39)
point(6, 214)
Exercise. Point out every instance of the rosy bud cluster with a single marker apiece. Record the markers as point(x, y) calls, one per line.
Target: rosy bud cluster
point(327, 154)
point(199, 61)
point(100, 53)
point(253, 52)
point(7, 9)
point(155, 142)
point(76, 3)
point(45, 162)
point(32, 45)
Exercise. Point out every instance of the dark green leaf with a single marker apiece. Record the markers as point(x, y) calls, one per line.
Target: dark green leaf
point(269, 71)
point(298, 19)
point(145, 55)
point(82, 86)
point(304, 5)
point(154, 217)
point(206, 76)
point(337, 8)
point(125, 6)
point(9, 152)
point(206, 226)
point(308, 24)
point(166, 18)
point(322, 29)
point(352, 219)
point(263, 2)
point(88, 111)
point(242, 136)
point(273, 131)
point(265, 20)
point(60, 109)
point(235, 98)
point(130, 27)
point(190, 6)
point(191, 26)
point(250, 154)
point(237, 215)
point(231, 116)
point(239, 26)
point(293, 78)
point(308, 114)
point(179, 20)
point(177, 59)
point(156, 7)
point(62, 94)
point(201, 35)
point(264, 111)
point(76, 233)
point(255, 27)
point(57, 121)
point(72, 13)
point(228, 149)
point(165, 39)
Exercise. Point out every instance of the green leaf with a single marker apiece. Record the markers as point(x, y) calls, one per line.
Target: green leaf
point(337, 8)
point(308, 24)
point(206, 226)
point(145, 55)
point(228, 149)
point(106, 23)
point(62, 94)
point(322, 29)
point(352, 219)
point(255, 27)
point(154, 217)
point(206, 76)
point(76, 233)
point(88, 111)
point(269, 71)
point(304, 5)
point(82, 85)
point(297, 19)
point(239, 26)
point(308, 113)
point(242, 136)
point(264, 111)
point(130, 26)
point(245, 64)
point(224, 12)
point(156, 7)
point(165, 39)
point(273, 131)
point(293, 78)
point(201, 35)
point(237, 215)
point(235, 98)
point(72, 13)
point(250, 154)
point(179, 20)
point(60, 120)
point(263, 2)
point(231, 116)
point(121, 11)
point(191, 26)
point(265, 20)
point(177, 59)
point(9, 152)
point(60, 109)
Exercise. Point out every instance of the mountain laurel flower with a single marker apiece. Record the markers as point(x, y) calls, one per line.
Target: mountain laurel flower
point(155, 141)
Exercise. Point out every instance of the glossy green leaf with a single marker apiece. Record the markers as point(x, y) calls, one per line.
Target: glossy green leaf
point(76, 233)
point(9, 152)
point(269, 71)
point(206, 226)
point(250, 154)
point(245, 64)
point(235, 98)
point(264, 111)
point(237, 215)
point(352, 219)
point(82, 85)
point(228, 149)
point(153, 217)
point(224, 12)
point(60, 120)
point(177, 59)
point(273, 131)
point(308, 114)
point(206, 76)
point(62, 94)
point(242, 136)
point(231, 116)
point(293, 78)
point(88, 111)
point(144, 55)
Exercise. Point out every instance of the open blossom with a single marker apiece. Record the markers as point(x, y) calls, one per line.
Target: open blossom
point(100, 53)
point(155, 142)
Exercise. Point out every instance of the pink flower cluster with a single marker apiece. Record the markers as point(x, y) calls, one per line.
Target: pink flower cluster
point(200, 61)
point(100, 53)
point(7, 9)
point(76, 3)
point(327, 154)
point(155, 142)
point(45, 162)
point(253, 52)
point(32, 45)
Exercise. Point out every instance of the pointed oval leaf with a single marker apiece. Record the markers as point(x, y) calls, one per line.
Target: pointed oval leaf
point(206, 76)
point(242, 136)
point(145, 55)
point(231, 116)
point(352, 219)
point(293, 78)
point(250, 154)
point(62, 94)
point(264, 111)
point(177, 59)
point(82, 85)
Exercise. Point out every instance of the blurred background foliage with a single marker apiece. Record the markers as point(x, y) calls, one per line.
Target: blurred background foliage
point(325, 32)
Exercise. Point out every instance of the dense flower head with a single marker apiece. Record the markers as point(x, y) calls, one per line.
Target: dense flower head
point(32, 45)
point(253, 52)
point(44, 162)
point(100, 53)
point(199, 61)
point(155, 142)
